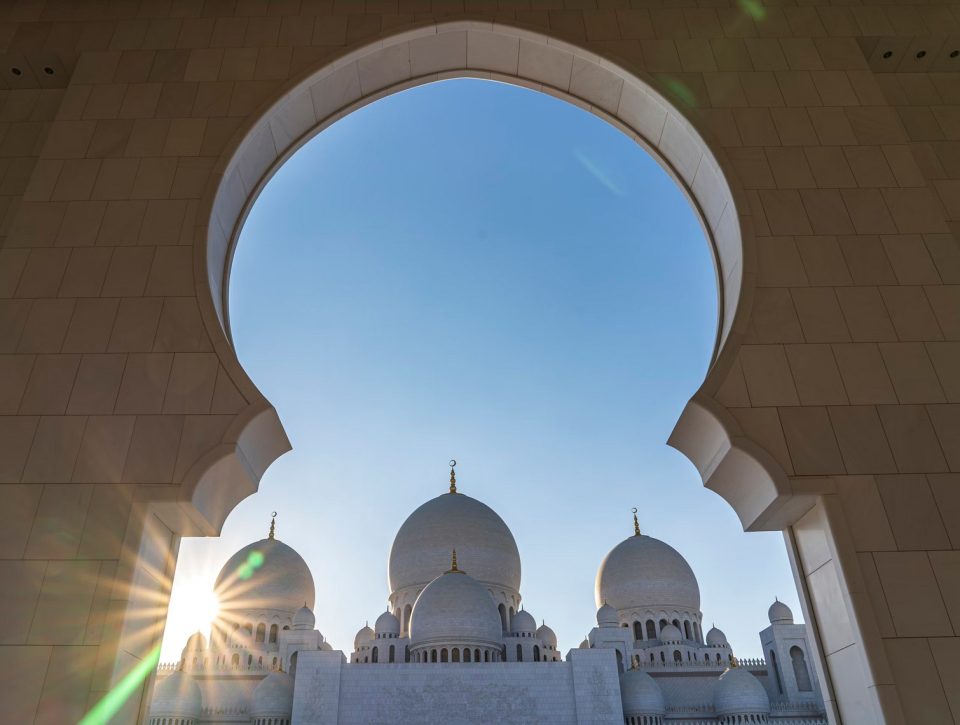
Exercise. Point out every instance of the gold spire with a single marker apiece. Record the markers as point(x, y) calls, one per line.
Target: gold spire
point(453, 477)
point(453, 564)
point(734, 662)
point(273, 524)
point(636, 524)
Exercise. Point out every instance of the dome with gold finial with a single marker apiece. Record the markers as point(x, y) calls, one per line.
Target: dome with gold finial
point(265, 575)
point(421, 548)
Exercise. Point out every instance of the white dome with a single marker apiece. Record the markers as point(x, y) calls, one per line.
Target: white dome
point(670, 634)
point(273, 696)
point(387, 623)
point(716, 638)
point(547, 635)
point(455, 608)
point(363, 636)
point(304, 618)
point(779, 613)
point(421, 549)
point(266, 574)
point(523, 623)
point(645, 572)
point(740, 693)
point(584, 645)
point(326, 647)
point(177, 695)
point(641, 694)
point(607, 616)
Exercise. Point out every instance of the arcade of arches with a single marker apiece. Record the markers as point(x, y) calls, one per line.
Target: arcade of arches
point(819, 142)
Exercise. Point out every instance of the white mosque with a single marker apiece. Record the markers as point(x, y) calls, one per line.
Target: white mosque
point(456, 646)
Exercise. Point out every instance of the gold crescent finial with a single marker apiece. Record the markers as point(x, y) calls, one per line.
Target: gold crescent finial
point(453, 476)
point(636, 524)
point(273, 524)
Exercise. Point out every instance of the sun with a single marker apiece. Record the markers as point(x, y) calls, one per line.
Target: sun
point(193, 607)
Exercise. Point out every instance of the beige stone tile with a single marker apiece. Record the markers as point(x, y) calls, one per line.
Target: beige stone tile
point(48, 389)
point(81, 223)
point(725, 90)
point(819, 314)
point(13, 318)
point(21, 680)
point(785, 212)
point(946, 423)
point(919, 686)
point(180, 328)
point(16, 432)
point(153, 449)
point(121, 222)
point(201, 433)
point(85, 272)
point(54, 449)
point(171, 272)
point(64, 604)
point(868, 211)
point(826, 211)
point(829, 603)
point(752, 168)
point(816, 375)
point(832, 126)
point(865, 314)
point(105, 612)
point(779, 263)
point(945, 357)
point(823, 261)
point(128, 271)
point(811, 442)
point(46, 326)
point(915, 211)
point(790, 168)
point(136, 324)
point(226, 398)
point(867, 260)
point(915, 602)
point(761, 89)
point(910, 259)
point(115, 179)
point(756, 127)
point(913, 512)
point(89, 329)
point(945, 301)
point(912, 373)
point(909, 430)
point(96, 385)
point(874, 590)
point(946, 256)
point(946, 567)
point(910, 311)
point(103, 449)
point(829, 167)
point(864, 512)
point(762, 425)
point(767, 375)
point(20, 581)
point(861, 439)
point(192, 381)
point(794, 128)
point(946, 655)
point(865, 377)
point(144, 383)
point(154, 178)
point(106, 522)
point(43, 272)
point(14, 374)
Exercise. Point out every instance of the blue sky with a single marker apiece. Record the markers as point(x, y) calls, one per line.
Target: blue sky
point(476, 271)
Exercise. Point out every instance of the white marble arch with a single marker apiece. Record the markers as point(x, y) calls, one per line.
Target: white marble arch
point(739, 470)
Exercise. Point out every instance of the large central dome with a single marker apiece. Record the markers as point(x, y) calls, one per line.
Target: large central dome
point(484, 544)
point(643, 572)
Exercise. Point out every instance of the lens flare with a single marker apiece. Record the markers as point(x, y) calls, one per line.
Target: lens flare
point(753, 8)
point(111, 703)
point(253, 562)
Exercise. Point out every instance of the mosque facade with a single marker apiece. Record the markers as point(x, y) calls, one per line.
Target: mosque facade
point(456, 645)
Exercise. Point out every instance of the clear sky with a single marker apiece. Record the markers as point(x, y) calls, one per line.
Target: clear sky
point(476, 271)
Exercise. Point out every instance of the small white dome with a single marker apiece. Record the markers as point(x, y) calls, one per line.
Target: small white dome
point(266, 574)
point(304, 618)
point(386, 623)
point(523, 623)
point(643, 572)
point(740, 693)
point(607, 616)
point(196, 643)
point(326, 646)
point(455, 608)
point(670, 634)
point(584, 645)
point(421, 549)
point(273, 696)
point(641, 694)
point(178, 696)
point(363, 636)
point(547, 635)
point(779, 613)
point(716, 638)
